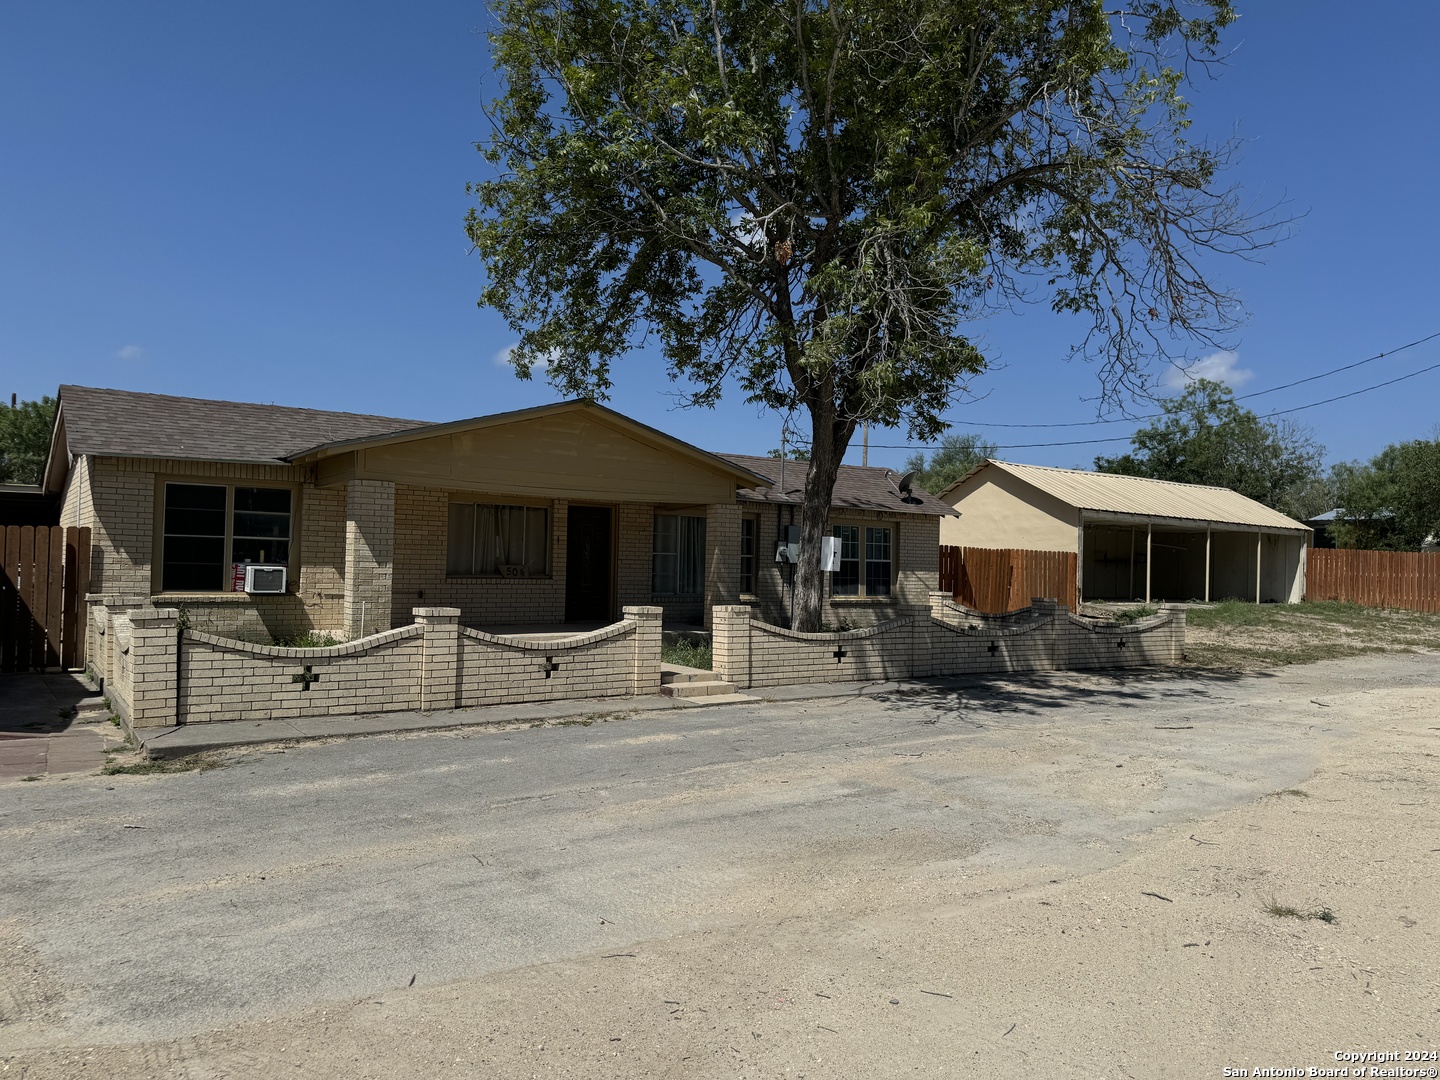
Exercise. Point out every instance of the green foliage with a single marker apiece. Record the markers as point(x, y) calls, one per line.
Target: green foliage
point(308, 639)
point(790, 454)
point(25, 440)
point(958, 454)
point(687, 653)
point(1393, 503)
point(1205, 437)
point(816, 201)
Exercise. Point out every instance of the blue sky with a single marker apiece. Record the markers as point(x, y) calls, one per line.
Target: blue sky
point(265, 203)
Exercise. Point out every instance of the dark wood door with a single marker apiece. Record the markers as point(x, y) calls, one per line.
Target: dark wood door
point(587, 565)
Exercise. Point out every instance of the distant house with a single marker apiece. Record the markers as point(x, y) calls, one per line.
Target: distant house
point(563, 513)
point(1323, 526)
point(1136, 538)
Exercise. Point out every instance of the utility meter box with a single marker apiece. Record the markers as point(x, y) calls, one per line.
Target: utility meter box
point(788, 549)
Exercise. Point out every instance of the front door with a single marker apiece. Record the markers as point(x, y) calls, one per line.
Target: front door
point(587, 565)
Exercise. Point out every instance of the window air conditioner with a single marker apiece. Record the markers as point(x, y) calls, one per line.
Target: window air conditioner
point(262, 578)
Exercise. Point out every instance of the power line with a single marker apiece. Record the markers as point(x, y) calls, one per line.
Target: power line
point(1127, 438)
point(1238, 397)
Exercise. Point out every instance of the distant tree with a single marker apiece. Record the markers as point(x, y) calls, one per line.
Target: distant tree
point(1205, 437)
point(1392, 503)
point(958, 454)
point(819, 202)
point(25, 440)
point(791, 454)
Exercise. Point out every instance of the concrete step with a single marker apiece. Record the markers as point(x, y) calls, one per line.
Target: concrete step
point(671, 674)
point(698, 689)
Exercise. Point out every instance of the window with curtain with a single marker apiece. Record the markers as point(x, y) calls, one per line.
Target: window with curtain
point(747, 554)
point(489, 540)
point(679, 556)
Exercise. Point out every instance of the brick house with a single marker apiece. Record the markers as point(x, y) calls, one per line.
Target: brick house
point(563, 513)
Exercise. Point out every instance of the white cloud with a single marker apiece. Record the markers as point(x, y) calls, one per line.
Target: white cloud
point(130, 353)
point(1217, 367)
point(502, 358)
point(747, 229)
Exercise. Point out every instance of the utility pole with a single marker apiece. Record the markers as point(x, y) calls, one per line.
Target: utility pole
point(865, 449)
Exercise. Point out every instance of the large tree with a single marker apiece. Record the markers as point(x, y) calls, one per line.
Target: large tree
point(816, 200)
point(958, 453)
point(1392, 503)
point(1206, 437)
point(25, 440)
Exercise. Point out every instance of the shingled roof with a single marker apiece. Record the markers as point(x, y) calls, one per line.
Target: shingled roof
point(856, 488)
point(122, 423)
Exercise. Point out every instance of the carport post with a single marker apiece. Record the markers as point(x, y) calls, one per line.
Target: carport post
point(1149, 536)
point(1207, 564)
point(1132, 562)
point(1258, 536)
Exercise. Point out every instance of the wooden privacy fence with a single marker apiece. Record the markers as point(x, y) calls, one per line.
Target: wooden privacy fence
point(997, 580)
point(42, 596)
point(1395, 579)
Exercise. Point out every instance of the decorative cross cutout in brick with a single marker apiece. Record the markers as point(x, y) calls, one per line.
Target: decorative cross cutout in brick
point(1120, 644)
point(839, 654)
point(550, 666)
point(993, 648)
point(305, 678)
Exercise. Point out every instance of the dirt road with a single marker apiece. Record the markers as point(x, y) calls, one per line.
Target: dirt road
point(1153, 876)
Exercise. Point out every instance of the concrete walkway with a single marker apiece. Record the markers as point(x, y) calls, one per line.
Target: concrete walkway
point(48, 725)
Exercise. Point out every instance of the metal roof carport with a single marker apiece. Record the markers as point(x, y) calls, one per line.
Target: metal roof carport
point(1136, 538)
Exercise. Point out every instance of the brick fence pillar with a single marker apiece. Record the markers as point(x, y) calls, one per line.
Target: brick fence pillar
point(104, 609)
point(1176, 631)
point(730, 643)
point(154, 667)
point(440, 668)
point(1051, 640)
point(369, 556)
point(645, 662)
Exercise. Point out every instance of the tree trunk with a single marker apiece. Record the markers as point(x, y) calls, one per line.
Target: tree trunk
point(829, 440)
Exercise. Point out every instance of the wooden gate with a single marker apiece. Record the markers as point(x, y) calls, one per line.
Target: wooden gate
point(997, 580)
point(42, 596)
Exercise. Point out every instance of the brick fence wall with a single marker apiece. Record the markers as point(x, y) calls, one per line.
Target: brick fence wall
point(159, 676)
point(946, 639)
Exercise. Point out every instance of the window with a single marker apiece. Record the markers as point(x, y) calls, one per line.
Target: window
point(509, 541)
point(210, 529)
point(877, 561)
point(679, 566)
point(870, 565)
point(747, 554)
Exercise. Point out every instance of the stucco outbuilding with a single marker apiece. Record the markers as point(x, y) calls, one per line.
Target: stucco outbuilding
point(1135, 538)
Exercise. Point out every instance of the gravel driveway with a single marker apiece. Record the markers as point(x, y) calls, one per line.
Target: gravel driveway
point(164, 920)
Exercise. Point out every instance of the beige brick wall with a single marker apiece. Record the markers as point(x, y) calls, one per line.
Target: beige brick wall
point(221, 679)
point(431, 664)
point(369, 556)
point(772, 656)
point(916, 552)
point(422, 525)
point(116, 498)
point(612, 662)
point(946, 640)
point(634, 553)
